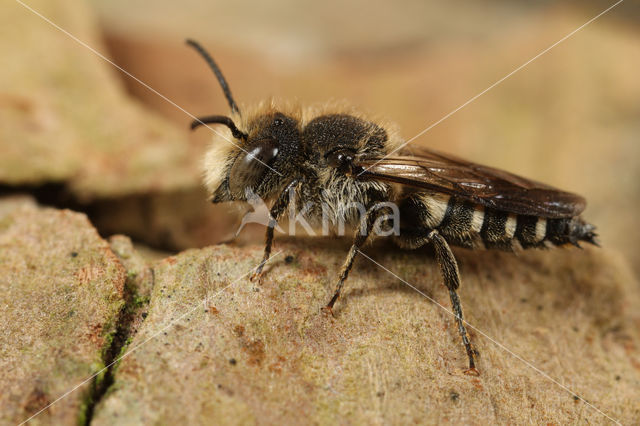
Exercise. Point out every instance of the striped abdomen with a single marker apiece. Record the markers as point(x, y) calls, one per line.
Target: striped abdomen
point(466, 224)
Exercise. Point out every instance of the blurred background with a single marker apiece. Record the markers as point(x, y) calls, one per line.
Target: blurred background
point(78, 133)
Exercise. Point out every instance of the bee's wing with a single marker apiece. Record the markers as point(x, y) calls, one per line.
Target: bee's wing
point(437, 172)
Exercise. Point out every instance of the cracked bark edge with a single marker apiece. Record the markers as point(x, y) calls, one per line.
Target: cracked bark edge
point(138, 285)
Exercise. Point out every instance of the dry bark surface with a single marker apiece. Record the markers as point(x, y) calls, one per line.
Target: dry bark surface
point(70, 133)
point(202, 343)
point(61, 291)
point(216, 347)
point(58, 101)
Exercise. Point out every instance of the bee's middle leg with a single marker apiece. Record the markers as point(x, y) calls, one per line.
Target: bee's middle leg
point(362, 233)
point(344, 273)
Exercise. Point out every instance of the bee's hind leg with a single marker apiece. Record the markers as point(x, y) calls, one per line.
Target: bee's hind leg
point(451, 275)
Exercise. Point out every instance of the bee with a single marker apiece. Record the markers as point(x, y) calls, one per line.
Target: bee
point(339, 157)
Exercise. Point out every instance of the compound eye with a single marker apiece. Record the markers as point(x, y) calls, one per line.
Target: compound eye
point(250, 167)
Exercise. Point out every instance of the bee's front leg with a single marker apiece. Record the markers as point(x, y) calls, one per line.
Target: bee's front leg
point(274, 215)
point(361, 235)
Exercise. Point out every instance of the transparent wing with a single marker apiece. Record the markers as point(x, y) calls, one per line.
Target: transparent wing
point(438, 172)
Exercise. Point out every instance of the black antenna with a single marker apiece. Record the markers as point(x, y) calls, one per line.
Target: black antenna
point(217, 72)
point(220, 119)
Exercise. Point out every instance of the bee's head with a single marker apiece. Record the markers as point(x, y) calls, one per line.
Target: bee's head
point(257, 157)
point(258, 162)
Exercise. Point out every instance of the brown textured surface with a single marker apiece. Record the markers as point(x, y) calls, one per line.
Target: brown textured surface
point(60, 292)
point(66, 119)
point(266, 354)
point(59, 101)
